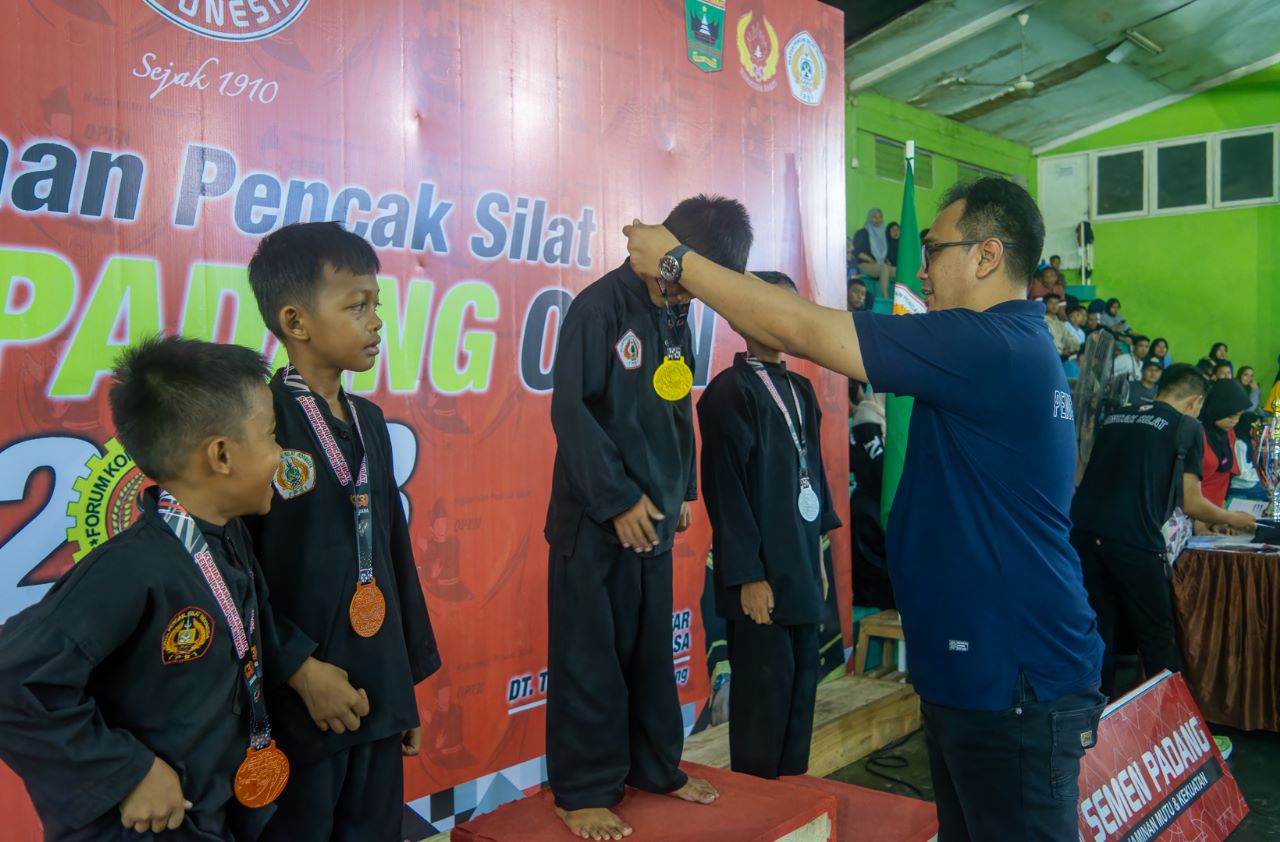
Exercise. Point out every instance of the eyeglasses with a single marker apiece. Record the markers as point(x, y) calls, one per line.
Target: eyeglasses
point(926, 249)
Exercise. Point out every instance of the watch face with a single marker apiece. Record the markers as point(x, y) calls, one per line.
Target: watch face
point(669, 267)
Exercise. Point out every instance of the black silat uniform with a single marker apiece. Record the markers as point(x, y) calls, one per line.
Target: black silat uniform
point(349, 785)
point(613, 713)
point(751, 482)
point(127, 658)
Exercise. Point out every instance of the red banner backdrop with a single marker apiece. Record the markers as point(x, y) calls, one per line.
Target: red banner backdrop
point(1156, 773)
point(491, 151)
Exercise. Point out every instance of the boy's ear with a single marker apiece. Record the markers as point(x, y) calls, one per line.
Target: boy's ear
point(217, 455)
point(293, 323)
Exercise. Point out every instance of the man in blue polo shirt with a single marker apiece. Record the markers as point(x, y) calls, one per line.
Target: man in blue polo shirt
point(1005, 652)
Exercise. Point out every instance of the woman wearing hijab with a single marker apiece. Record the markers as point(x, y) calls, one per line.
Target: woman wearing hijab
point(894, 230)
point(871, 248)
point(1223, 407)
point(1218, 355)
point(1111, 318)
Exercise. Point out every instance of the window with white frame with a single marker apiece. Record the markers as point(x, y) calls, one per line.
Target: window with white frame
point(1120, 183)
point(1246, 168)
point(1182, 175)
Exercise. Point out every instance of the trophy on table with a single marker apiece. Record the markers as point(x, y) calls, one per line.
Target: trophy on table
point(1266, 457)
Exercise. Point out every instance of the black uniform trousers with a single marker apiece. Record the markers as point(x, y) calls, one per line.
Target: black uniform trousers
point(771, 697)
point(364, 784)
point(1014, 773)
point(613, 713)
point(1120, 578)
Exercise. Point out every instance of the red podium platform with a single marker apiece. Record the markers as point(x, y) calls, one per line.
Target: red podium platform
point(866, 815)
point(748, 810)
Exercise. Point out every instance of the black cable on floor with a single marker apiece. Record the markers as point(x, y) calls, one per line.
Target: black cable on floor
point(885, 759)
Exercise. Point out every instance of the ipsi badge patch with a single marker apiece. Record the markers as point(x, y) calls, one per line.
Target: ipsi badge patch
point(630, 351)
point(296, 474)
point(187, 637)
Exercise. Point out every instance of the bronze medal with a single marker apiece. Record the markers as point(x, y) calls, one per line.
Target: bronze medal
point(368, 609)
point(261, 776)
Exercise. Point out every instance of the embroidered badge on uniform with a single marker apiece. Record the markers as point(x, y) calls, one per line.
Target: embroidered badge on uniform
point(630, 351)
point(296, 474)
point(187, 636)
point(1086, 739)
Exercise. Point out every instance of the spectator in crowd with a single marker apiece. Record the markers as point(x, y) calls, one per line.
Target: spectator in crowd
point(871, 249)
point(1092, 322)
point(1118, 512)
point(857, 295)
point(1037, 289)
point(1055, 263)
point(1246, 485)
point(1064, 341)
point(1223, 407)
point(1131, 363)
point(1056, 285)
point(1205, 367)
point(1222, 370)
point(1250, 385)
point(1160, 350)
point(895, 234)
point(1218, 352)
point(1075, 325)
point(850, 261)
point(1111, 318)
point(1145, 391)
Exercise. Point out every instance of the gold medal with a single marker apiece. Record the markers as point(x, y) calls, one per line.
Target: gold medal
point(368, 609)
point(261, 776)
point(673, 379)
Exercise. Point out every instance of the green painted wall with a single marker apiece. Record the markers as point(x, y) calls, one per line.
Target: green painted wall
point(868, 115)
point(1202, 277)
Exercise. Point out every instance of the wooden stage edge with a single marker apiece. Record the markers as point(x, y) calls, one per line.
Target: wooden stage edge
point(854, 716)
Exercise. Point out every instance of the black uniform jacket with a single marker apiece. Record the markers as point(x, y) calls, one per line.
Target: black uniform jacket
point(129, 657)
point(751, 482)
point(307, 548)
point(616, 437)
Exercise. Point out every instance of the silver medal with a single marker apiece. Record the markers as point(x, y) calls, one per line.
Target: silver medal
point(807, 502)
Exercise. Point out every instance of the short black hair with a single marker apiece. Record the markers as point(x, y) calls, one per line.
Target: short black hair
point(1152, 361)
point(1181, 380)
point(857, 282)
point(715, 227)
point(1223, 364)
point(1054, 257)
point(170, 393)
point(996, 207)
point(1052, 295)
point(288, 265)
point(777, 279)
point(1074, 308)
point(1135, 338)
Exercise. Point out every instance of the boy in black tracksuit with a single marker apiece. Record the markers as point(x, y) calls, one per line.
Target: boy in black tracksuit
point(623, 477)
point(335, 547)
point(767, 497)
point(131, 696)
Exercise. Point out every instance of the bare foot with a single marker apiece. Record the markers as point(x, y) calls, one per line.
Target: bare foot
point(698, 791)
point(594, 823)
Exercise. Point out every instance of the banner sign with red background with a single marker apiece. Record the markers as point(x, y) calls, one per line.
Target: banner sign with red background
point(1156, 773)
point(492, 152)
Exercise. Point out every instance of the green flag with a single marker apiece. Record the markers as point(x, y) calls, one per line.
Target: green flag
point(906, 300)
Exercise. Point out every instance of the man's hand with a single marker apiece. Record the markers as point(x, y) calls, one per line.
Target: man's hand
point(634, 527)
point(686, 517)
point(411, 741)
point(757, 602)
point(333, 703)
point(646, 244)
point(156, 803)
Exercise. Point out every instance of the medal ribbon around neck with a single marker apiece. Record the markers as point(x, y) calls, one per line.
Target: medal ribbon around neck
point(673, 378)
point(368, 606)
point(808, 499)
point(265, 769)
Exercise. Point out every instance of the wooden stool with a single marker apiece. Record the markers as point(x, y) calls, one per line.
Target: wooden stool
point(887, 626)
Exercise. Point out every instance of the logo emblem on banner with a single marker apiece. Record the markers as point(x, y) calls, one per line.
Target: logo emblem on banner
point(251, 20)
point(187, 636)
point(296, 474)
point(106, 503)
point(806, 69)
point(630, 351)
point(758, 51)
point(704, 33)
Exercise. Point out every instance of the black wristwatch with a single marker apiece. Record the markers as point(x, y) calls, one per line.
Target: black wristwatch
point(669, 266)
